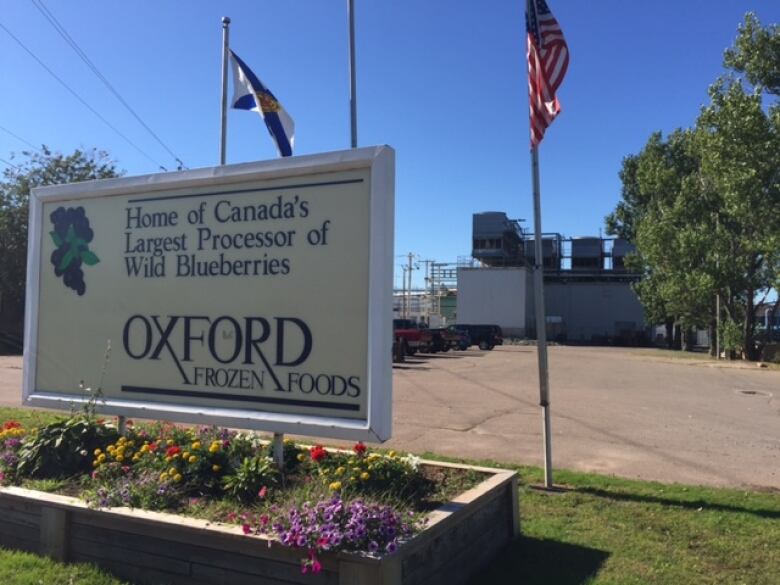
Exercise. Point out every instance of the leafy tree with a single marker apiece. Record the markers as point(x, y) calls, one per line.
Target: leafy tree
point(739, 143)
point(703, 207)
point(36, 170)
point(756, 53)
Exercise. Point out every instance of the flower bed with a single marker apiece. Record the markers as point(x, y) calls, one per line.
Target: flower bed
point(328, 517)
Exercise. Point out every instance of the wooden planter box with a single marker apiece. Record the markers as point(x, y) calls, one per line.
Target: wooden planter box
point(158, 548)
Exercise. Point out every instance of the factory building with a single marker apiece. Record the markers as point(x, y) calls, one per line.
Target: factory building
point(588, 294)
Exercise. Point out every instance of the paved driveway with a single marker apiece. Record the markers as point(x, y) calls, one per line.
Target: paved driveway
point(616, 411)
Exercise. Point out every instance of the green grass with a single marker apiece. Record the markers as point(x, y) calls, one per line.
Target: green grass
point(595, 530)
point(17, 568)
point(600, 530)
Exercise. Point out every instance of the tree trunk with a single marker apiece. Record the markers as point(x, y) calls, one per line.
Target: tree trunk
point(677, 343)
point(772, 313)
point(669, 333)
point(749, 328)
point(712, 332)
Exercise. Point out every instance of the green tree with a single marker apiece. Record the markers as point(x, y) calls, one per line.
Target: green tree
point(35, 169)
point(703, 207)
point(756, 53)
point(739, 144)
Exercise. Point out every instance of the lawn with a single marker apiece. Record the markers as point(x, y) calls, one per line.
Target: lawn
point(592, 530)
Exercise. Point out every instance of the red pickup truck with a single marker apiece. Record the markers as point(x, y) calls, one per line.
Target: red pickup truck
point(411, 336)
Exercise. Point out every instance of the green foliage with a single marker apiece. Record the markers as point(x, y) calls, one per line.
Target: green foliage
point(703, 206)
point(63, 448)
point(36, 170)
point(247, 479)
point(756, 52)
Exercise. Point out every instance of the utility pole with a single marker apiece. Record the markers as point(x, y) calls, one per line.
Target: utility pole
point(409, 273)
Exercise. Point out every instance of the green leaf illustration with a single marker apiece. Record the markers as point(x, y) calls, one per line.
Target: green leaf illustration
point(71, 235)
point(89, 258)
point(67, 259)
point(56, 237)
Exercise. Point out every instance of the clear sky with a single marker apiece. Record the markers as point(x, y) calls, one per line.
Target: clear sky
point(442, 81)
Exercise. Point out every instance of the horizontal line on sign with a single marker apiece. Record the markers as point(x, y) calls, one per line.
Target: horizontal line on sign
point(239, 397)
point(281, 188)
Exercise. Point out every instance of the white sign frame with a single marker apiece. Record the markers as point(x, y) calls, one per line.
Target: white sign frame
point(378, 425)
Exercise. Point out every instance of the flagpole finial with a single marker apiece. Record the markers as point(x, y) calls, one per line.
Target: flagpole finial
point(225, 20)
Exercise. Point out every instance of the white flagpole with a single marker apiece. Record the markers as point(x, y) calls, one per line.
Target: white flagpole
point(352, 76)
point(541, 321)
point(223, 126)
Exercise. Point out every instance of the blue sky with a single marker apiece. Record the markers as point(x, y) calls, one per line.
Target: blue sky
point(442, 81)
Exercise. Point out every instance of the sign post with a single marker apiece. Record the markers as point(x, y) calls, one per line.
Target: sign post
point(255, 296)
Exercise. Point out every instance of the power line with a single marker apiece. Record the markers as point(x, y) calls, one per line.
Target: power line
point(19, 138)
point(80, 52)
point(10, 164)
point(78, 97)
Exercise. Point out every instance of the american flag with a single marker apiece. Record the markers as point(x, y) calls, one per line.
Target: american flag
point(548, 59)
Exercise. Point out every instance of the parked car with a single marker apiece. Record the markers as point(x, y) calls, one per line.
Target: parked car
point(484, 336)
point(411, 336)
point(459, 338)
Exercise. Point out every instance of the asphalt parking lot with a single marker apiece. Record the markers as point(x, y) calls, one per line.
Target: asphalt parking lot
point(633, 413)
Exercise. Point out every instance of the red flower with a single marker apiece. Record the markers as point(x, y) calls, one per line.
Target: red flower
point(171, 451)
point(12, 424)
point(318, 453)
point(152, 447)
point(360, 448)
point(246, 528)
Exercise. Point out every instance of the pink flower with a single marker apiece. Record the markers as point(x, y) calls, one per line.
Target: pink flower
point(262, 493)
point(246, 528)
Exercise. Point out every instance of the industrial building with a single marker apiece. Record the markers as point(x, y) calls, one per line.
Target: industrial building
point(588, 294)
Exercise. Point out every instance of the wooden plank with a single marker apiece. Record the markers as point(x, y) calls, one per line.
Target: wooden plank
point(223, 576)
point(285, 565)
point(9, 531)
point(54, 533)
point(141, 559)
point(137, 575)
point(21, 518)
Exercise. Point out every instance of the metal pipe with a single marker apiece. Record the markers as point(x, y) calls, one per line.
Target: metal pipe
point(352, 75)
point(223, 125)
point(541, 322)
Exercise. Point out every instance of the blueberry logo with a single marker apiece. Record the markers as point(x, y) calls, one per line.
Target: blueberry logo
point(72, 235)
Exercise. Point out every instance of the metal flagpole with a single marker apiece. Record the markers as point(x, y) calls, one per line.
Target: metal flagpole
point(223, 127)
point(541, 321)
point(352, 78)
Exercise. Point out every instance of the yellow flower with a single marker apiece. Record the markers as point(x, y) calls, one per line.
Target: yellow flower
point(301, 457)
point(340, 471)
point(172, 471)
point(131, 443)
point(95, 463)
point(101, 458)
point(365, 476)
point(177, 478)
point(213, 448)
point(163, 476)
point(196, 445)
point(168, 459)
point(335, 486)
point(97, 452)
point(192, 459)
point(186, 454)
point(120, 458)
point(353, 479)
point(215, 468)
point(391, 454)
point(145, 449)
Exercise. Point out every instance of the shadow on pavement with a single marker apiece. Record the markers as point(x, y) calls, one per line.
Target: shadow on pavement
point(688, 504)
point(538, 561)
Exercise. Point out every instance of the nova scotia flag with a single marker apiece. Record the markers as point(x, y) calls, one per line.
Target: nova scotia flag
point(249, 93)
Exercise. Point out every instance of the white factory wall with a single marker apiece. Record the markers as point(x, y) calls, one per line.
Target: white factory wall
point(493, 296)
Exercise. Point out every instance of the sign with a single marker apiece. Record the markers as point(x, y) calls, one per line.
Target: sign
point(255, 296)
